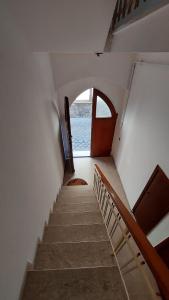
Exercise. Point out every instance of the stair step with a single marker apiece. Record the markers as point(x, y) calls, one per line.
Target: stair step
point(77, 187)
point(76, 199)
point(102, 283)
point(78, 207)
point(74, 255)
point(75, 233)
point(78, 192)
point(75, 218)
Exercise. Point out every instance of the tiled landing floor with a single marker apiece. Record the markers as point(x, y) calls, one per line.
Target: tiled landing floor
point(84, 168)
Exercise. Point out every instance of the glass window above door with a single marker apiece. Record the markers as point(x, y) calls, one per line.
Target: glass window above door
point(102, 109)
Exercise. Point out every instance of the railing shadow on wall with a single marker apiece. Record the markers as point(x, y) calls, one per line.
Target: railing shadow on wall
point(144, 274)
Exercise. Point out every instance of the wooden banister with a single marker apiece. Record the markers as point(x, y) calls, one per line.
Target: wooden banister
point(156, 264)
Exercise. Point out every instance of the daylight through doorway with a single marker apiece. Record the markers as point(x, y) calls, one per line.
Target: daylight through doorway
point(80, 118)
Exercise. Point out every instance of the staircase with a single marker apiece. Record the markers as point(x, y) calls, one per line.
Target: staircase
point(74, 260)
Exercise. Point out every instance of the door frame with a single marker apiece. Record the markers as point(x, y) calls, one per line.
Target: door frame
point(69, 135)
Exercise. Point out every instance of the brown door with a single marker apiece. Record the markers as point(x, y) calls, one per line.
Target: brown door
point(103, 124)
point(153, 203)
point(69, 158)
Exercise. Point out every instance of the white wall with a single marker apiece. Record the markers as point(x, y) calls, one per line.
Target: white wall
point(144, 141)
point(114, 67)
point(147, 34)
point(31, 168)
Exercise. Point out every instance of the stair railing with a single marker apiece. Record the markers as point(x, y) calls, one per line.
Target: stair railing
point(143, 271)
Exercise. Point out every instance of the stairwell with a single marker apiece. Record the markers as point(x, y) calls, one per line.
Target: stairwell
point(74, 259)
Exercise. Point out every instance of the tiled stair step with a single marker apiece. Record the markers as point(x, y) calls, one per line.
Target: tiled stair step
point(76, 199)
point(78, 207)
point(75, 233)
point(77, 188)
point(102, 283)
point(75, 218)
point(74, 255)
point(77, 192)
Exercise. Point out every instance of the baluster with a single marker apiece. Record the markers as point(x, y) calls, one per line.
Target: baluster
point(101, 192)
point(98, 187)
point(129, 270)
point(94, 182)
point(113, 229)
point(109, 216)
point(115, 224)
point(103, 197)
point(127, 263)
point(120, 247)
point(123, 242)
point(105, 209)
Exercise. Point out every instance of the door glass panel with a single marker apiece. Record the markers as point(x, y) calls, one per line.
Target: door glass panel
point(102, 109)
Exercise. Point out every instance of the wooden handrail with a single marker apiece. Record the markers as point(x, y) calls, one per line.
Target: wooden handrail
point(154, 261)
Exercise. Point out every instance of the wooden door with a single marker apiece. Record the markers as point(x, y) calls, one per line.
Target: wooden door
point(104, 119)
point(153, 203)
point(68, 136)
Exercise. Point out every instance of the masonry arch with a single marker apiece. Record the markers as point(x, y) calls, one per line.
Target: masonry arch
point(74, 88)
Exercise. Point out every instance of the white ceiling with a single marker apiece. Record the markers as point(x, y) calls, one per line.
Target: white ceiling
point(110, 66)
point(63, 25)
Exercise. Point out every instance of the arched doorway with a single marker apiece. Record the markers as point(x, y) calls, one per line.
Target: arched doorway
point(93, 119)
